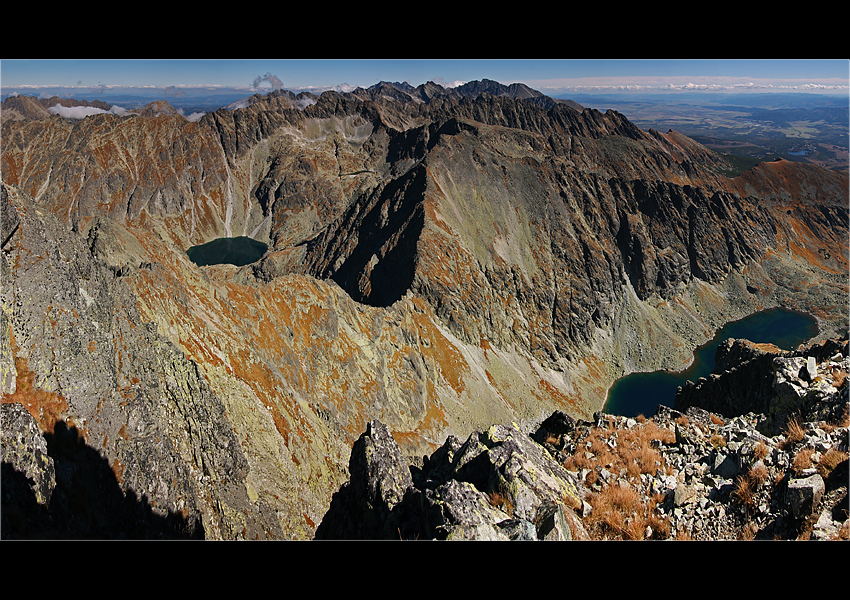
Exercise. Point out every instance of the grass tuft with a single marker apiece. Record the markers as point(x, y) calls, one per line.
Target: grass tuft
point(831, 459)
point(743, 492)
point(761, 450)
point(802, 460)
point(794, 432)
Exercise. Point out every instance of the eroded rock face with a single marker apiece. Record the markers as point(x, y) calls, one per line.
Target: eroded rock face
point(84, 362)
point(438, 261)
point(498, 485)
point(749, 378)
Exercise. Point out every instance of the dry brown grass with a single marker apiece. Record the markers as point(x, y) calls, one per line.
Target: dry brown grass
point(760, 451)
point(758, 474)
point(839, 376)
point(599, 448)
point(653, 431)
point(744, 493)
point(617, 510)
point(794, 432)
point(845, 417)
point(717, 440)
point(716, 420)
point(748, 532)
point(579, 461)
point(829, 460)
point(660, 526)
point(802, 460)
point(501, 501)
point(641, 458)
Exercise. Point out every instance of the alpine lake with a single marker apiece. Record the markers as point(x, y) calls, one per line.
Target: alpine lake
point(239, 251)
point(642, 393)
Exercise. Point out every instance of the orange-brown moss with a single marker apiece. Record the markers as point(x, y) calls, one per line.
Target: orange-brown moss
point(47, 408)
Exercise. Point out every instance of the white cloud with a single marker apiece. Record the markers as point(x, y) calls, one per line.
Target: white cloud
point(707, 84)
point(75, 112)
point(448, 84)
point(245, 102)
point(192, 118)
point(81, 112)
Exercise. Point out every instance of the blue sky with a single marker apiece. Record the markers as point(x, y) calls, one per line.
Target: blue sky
point(548, 76)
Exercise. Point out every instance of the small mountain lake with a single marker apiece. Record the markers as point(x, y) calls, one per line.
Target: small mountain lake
point(642, 393)
point(239, 251)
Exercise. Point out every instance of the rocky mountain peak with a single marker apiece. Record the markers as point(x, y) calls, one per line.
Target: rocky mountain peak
point(157, 108)
point(430, 261)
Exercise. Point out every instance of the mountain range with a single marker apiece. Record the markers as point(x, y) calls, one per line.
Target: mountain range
point(437, 259)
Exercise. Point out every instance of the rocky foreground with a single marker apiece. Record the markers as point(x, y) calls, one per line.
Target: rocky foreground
point(692, 475)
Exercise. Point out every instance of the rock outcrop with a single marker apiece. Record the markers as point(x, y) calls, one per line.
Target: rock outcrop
point(692, 475)
point(497, 485)
point(436, 260)
point(753, 378)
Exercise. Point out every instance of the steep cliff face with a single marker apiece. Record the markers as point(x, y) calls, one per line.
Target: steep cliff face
point(79, 358)
point(440, 264)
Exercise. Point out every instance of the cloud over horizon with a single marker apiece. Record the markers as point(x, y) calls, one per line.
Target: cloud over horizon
point(81, 112)
point(687, 84)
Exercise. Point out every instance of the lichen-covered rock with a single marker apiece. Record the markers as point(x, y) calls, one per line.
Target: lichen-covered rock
point(499, 485)
point(774, 383)
point(804, 494)
point(87, 366)
point(24, 450)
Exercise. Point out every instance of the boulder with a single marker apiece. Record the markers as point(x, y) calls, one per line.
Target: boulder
point(379, 481)
point(804, 494)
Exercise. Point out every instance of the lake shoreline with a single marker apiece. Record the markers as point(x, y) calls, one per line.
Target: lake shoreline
point(642, 389)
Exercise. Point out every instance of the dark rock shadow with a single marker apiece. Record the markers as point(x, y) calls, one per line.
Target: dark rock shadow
point(87, 501)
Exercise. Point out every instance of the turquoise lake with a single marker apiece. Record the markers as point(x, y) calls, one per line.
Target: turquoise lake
point(642, 393)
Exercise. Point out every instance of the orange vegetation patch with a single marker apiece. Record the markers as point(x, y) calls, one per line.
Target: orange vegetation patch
point(118, 469)
point(258, 376)
point(47, 408)
point(772, 348)
point(810, 248)
point(452, 363)
point(432, 423)
point(571, 402)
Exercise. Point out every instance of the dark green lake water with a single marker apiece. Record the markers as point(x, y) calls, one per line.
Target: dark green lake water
point(642, 393)
point(237, 251)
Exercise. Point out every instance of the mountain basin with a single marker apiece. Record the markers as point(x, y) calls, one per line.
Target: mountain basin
point(239, 251)
point(642, 393)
